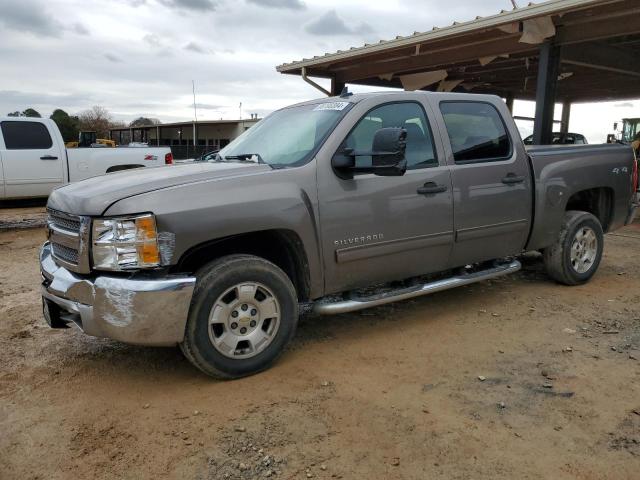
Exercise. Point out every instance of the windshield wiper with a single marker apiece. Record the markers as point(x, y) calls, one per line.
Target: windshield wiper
point(244, 157)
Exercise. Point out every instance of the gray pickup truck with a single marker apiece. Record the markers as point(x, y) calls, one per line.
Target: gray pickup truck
point(332, 205)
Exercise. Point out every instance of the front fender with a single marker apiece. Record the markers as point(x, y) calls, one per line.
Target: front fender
point(201, 212)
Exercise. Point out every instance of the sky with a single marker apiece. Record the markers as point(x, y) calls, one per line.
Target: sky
point(139, 57)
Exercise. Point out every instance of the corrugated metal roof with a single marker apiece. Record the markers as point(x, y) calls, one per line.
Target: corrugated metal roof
point(551, 7)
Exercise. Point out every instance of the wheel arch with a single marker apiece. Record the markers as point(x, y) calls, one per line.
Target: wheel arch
point(282, 247)
point(600, 202)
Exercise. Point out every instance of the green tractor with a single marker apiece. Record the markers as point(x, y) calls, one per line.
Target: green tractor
point(629, 135)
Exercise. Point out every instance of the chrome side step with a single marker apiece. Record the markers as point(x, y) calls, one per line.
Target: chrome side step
point(358, 303)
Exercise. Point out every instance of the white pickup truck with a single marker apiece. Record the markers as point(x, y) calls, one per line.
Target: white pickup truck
point(34, 160)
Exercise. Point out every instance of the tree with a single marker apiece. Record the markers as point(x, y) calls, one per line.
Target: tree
point(29, 112)
point(96, 119)
point(144, 121)
point(67, 124)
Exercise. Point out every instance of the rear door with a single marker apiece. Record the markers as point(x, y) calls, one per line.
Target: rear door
point(31, 159)
point(491, 181)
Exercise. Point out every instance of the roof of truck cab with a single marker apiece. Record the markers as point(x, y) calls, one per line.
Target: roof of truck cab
point(359, 97)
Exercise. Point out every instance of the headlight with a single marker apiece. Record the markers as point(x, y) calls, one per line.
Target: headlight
point(125, 243)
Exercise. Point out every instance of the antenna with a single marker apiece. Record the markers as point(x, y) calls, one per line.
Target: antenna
point(240, 107)
point(515, 5)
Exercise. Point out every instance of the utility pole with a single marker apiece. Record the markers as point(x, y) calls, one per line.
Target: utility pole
point(195, 112)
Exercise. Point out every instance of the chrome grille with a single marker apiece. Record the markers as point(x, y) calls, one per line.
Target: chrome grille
point(69, 235)
point(67, 222)
point(65, 253)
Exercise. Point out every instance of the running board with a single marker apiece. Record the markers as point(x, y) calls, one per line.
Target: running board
point(358, 303)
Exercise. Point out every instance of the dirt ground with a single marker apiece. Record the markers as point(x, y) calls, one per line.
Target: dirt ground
point(395, 392)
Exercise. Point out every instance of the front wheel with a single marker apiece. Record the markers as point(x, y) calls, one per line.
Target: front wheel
point(243, 314)
point(575, 256)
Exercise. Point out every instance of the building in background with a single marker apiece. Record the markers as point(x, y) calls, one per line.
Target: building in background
point(209, 135)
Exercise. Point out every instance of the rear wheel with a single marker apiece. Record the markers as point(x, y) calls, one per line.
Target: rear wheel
point(243, 314)
point(576, 255)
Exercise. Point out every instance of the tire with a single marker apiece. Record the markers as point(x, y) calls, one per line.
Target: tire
point(578, 227)
point(265, 305)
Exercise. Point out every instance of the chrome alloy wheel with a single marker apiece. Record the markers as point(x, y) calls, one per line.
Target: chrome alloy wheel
point(244, 320)
point(584, 249)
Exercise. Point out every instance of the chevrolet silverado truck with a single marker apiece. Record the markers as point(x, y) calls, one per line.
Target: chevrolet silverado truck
point(330, 206)
point(34, 160)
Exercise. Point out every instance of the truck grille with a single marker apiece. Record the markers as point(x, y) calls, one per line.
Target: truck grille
point(66, 222)
point(68, 235)
point(69, 255)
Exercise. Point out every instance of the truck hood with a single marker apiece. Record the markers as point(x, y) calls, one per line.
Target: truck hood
point(94, 195)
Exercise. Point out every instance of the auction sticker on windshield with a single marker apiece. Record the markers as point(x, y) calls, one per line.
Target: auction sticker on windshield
point(331, 106)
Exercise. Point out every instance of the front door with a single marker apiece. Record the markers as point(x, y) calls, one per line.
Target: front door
point(377, 229)
point(31, 159)
point(490, 172)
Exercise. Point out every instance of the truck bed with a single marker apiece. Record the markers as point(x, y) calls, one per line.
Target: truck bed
point(561, 171)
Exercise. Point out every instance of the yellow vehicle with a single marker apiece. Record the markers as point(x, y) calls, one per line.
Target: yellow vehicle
point(88, 139)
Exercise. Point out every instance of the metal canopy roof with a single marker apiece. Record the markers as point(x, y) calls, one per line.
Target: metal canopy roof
point(599, 40)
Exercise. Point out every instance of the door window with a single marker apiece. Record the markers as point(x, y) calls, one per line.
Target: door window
point(476, 132)
point(26, 136)
point(420, 151)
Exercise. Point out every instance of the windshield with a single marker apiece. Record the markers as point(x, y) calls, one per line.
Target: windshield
point(286, 138)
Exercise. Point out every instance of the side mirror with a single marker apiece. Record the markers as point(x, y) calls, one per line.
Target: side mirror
point(387, 155)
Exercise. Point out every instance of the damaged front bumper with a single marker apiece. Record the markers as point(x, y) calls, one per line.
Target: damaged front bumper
point(133, 309)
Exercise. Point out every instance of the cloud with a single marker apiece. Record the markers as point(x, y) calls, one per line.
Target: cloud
point(79, 29)
point(29, 98)
point(331, 24)
point(207, 106)
point(151, 39)
point(287, 4)
point(195, 5)
point(112, 58)
point(194, 47)
point(29, 16)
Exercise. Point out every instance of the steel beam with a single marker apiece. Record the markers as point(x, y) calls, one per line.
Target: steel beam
point(566, 116)
point(509, 100)
point(603, 57)
point(336, 87)
point(546, 93)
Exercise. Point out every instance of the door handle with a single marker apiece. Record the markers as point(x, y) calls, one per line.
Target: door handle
point(48, 157)
point(512, 179)
point(430, 188)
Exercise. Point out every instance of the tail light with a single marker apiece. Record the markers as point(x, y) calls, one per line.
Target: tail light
point(168, 158)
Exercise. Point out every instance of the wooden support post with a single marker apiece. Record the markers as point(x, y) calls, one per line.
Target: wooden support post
point(546, 93)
